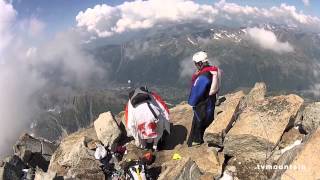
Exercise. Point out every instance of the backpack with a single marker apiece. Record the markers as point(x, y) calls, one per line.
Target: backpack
point(141, 95)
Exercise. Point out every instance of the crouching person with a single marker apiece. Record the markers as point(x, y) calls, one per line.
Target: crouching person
point(147, 117)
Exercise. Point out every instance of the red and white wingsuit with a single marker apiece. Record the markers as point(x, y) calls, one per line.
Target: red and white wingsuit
point(143, 126)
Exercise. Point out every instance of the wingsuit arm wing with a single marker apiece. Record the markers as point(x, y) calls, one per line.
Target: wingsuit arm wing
point(198, 89)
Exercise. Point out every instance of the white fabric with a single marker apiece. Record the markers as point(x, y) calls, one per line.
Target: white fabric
point(101, 152)
point(142, 114)
point(216, 82)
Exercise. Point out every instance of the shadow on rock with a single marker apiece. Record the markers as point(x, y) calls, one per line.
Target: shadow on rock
point(177, 136)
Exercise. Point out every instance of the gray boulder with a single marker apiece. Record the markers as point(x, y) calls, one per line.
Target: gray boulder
point(224, 118)
point(40, 175)
point(311, 117)
point(34, 151)
point(8, 171)
point(260, 126)
point(73, 159)
point(184, 169)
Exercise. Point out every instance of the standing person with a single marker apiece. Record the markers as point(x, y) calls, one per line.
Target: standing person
point(205, 86)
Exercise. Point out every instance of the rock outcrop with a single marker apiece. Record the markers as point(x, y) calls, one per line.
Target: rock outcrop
point(107, 129)
point(259, 127)
point(311, 118)
point(8, 171)
point(184, 169)
point(73, 159)
point(225, 116)
point(34, 151)
point(306, 164)
point(40, 175)
point(206, 158)
point(181, 121)
point(256, 94)
point(256, 136)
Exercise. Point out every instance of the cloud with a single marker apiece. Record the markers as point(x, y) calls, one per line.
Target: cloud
point(306, 2)
point(104, 20)
point(63, 60)
point(31, 28)
point(28, 72)
point(268, 40)
point(7, 16)
point(36, 26)
point(283, 14)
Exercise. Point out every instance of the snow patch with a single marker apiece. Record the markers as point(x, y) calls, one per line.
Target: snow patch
point(193, 43)
point(217, 36)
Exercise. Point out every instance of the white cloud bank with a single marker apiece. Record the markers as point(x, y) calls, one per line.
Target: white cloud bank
point(7, 15)
point(268, 40)
point(104, 20)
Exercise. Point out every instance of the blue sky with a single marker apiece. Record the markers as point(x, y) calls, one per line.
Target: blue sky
point(60, 14)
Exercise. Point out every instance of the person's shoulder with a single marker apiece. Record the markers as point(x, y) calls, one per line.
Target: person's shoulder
point(207, 75)
point(203, 78)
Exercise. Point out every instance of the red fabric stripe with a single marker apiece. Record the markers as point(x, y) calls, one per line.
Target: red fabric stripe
point(204, 70)
point(158, 98)
point(126, 115)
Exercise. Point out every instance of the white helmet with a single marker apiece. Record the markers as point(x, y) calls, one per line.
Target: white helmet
point(200, 56)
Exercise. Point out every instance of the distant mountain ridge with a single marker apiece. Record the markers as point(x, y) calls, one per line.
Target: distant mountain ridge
point(160, 56)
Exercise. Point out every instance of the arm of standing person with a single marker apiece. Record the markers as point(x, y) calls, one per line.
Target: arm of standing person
point(198, 90)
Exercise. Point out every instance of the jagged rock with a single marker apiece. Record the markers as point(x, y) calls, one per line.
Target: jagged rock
point(259, 127)
point(9, 171)
point(182, 115)
point(40, 175)
point(181, 121)
point(247, 169)
point(74, 159)
point(223, 121)
point(284, 160)
point(16, 162)
point(306, 164)
point(256, 94)
point(85, 173)
point(184, 169)
point(107, 129)
point(92, 144)
point(34, 151)
point(206, 158)
point(289, 137)
point(311, 118)
point(133, 153)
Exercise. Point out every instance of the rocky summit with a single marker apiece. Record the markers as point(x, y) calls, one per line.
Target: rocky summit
point(253, 136)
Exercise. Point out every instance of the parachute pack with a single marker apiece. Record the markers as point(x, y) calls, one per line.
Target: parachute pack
point(141, 95)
